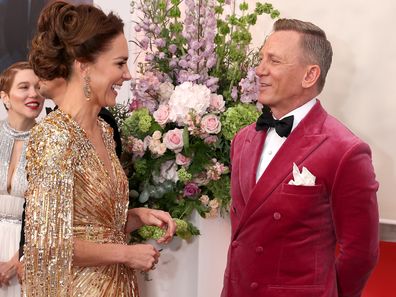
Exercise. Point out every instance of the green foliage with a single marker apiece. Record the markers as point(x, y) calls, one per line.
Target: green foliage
point(237, 117)
point(184, 230)
point(139, 124)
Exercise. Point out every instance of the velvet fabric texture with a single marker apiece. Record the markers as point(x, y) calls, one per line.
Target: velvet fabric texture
point(284, 236)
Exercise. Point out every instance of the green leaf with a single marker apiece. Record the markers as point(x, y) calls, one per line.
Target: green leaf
point(186, 138)
point(243, 6)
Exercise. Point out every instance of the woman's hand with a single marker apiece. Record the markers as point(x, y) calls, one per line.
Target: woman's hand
point(137, 217)
point(8, 270)
point(140, 256)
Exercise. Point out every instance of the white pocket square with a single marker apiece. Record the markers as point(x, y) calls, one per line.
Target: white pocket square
point(305, 178)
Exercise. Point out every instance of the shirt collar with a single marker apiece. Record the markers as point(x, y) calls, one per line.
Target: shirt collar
point(300, 112)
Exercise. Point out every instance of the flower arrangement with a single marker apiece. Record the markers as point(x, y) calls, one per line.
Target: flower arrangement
point(195, 90)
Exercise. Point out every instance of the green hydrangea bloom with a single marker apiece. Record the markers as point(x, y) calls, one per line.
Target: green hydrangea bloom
point(183, 174)
point(154, 232)
point(140, 167)
point(237, 117)
point(138, 124)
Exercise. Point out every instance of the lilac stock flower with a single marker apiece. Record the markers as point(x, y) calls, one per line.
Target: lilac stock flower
point(234, 93)
point(149, 57)
point(195, 45)
point(211, 61)
point(191, 190)
point(144, 42)
point(160, 42)
point(172, 48)
point(249, 87)
point(183, 63)
point(173, 63)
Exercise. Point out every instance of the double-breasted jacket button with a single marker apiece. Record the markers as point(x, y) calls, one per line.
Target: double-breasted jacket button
point(259, 249)
point(277, 216)
point(254, 285)
point(234, 244)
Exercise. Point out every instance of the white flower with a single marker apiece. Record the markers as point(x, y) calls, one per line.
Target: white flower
point(157, 135)
point(168, 171)
point(188, 97)
point(165, 90)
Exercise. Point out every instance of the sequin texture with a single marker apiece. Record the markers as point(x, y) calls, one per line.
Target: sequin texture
point(70, 195)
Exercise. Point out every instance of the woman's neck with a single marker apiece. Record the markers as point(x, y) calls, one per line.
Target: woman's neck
point(83, 111)
point(20, 123)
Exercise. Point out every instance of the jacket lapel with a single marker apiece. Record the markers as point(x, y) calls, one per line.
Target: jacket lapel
point(250, 157)
point(302, 142)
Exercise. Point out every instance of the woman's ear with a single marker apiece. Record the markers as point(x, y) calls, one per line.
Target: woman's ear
point(4, 96)
point(6, 100)
point(311, 76)
point(81, 68)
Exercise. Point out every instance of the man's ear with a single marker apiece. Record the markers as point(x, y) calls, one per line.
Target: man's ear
point(311, 76)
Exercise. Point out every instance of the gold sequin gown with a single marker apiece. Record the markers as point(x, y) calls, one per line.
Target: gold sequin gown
point(71, 195)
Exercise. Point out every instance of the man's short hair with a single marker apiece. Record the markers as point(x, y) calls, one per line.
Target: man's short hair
point(316, 48)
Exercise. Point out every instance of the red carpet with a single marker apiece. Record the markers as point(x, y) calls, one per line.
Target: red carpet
point(382, 282)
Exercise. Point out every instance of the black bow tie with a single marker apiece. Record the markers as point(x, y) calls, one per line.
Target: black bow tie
point(282, 127)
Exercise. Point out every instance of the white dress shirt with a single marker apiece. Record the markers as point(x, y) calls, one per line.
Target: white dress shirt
point(273, 141)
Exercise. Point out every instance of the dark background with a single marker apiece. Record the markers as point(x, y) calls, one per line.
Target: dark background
point(18, 19)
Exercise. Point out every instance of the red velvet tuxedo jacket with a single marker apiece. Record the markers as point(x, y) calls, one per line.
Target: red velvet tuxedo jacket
point(284, 236)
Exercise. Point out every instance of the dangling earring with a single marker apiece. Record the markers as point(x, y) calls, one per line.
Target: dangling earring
point(7, 105)
point(87, 87)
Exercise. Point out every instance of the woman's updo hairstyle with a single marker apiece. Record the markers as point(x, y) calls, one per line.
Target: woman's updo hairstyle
point(65, 33)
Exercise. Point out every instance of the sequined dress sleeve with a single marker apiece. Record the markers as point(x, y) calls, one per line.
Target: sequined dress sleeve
point(48, 250)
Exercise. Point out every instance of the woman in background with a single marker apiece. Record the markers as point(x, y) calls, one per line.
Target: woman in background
point(18, 91)
point(77, 213)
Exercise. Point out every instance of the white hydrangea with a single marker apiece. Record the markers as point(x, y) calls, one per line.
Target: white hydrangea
point(188, 97)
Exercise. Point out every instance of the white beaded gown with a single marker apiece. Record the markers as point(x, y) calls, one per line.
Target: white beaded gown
point(11, 203)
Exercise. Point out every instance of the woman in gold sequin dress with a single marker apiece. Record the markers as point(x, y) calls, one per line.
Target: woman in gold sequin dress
point(18, 91)
point(77, 199)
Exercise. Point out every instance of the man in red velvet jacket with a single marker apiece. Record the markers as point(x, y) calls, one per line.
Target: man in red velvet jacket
point(287, 219)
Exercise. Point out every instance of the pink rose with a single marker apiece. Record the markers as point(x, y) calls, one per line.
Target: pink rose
point(182, 160)
point(161, 115)
point(173, 140)
point(211, 124)
point(211, 139)
point(217, 103)
point(136, 146)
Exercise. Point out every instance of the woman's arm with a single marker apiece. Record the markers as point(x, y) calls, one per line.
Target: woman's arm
point(137, 217)
point(8, 270)
point(138, 256)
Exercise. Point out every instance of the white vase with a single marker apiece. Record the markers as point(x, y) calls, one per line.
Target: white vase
point(190, 269)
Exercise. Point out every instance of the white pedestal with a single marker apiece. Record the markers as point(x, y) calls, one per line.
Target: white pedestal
point(191, 269)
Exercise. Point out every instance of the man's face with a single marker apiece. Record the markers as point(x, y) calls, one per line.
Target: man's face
point(281, 71)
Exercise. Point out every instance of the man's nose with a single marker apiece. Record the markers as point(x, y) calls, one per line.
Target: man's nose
point(261, 69)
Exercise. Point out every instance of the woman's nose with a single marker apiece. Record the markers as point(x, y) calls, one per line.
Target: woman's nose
point(34, 92)
point(127, 74)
